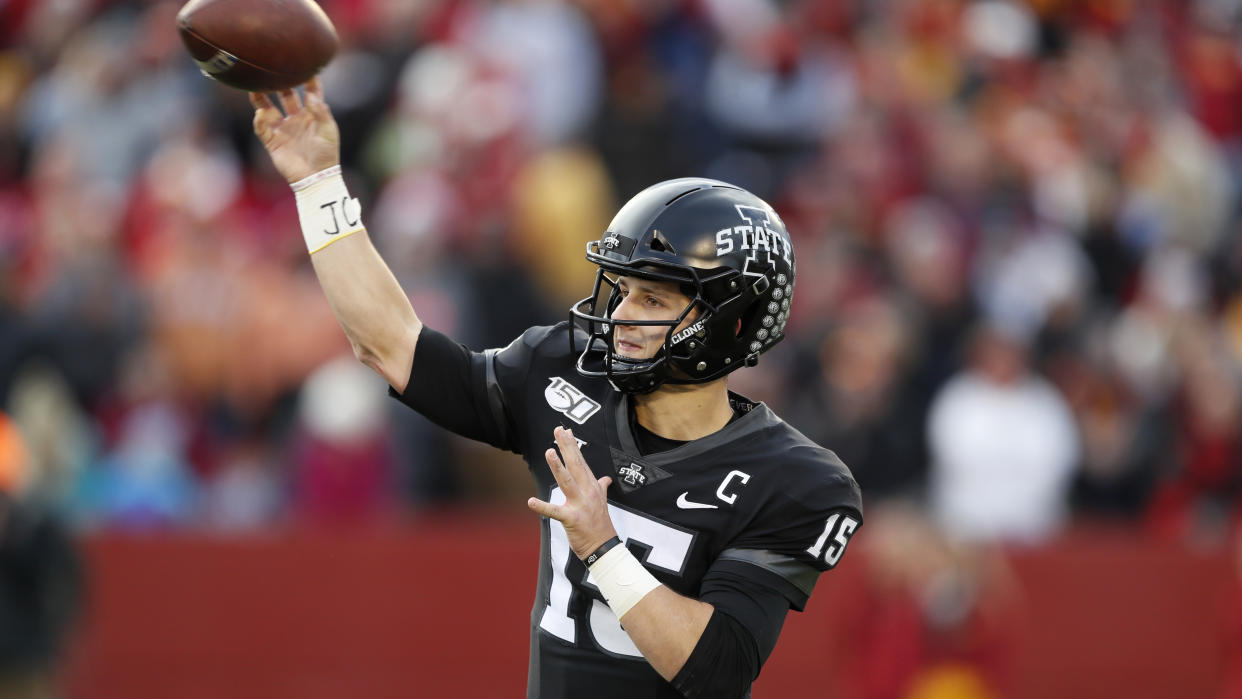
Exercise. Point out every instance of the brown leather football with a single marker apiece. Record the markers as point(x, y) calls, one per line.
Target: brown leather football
point(257, 45)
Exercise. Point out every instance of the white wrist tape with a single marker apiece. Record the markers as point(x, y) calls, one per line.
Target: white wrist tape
point(325, 209)
point(622, 579)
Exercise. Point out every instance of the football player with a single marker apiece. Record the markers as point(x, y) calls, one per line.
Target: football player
point(680, 522)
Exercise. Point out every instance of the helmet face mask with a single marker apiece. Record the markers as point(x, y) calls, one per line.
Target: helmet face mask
point(731, 257)
point(631, 374)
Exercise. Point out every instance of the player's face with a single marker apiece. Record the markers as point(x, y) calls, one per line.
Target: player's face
point(643, 299)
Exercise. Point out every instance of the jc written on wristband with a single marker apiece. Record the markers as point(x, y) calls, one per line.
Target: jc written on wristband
point(326, 212)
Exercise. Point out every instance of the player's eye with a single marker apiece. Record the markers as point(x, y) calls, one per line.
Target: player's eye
point(653, 302)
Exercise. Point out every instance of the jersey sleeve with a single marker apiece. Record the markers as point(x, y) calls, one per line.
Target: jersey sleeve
point(799, 533)
point(473, 394)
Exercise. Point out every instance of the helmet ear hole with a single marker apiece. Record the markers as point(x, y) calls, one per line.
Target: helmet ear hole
point(659, 243)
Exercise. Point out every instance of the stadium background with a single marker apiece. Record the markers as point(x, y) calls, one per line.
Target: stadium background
point(1021, 215)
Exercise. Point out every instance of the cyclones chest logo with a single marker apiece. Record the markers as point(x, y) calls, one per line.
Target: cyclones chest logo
point(754, 236)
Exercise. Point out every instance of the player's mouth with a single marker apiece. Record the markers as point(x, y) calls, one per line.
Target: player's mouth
point(629, 349)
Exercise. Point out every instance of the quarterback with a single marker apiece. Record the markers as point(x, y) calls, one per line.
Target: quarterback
point(680, 521)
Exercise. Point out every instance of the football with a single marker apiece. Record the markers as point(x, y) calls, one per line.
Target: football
point(257, 45)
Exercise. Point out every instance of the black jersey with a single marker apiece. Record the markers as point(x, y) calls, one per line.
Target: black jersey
point(755, 500)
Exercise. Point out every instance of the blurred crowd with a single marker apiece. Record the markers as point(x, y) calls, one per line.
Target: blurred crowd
point(1019, 294)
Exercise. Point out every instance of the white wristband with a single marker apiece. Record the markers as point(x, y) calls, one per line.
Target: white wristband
point(622, 579)
point(325, 209)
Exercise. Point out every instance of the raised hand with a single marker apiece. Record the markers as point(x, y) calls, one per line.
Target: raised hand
point(302, 141)
point(585, 510)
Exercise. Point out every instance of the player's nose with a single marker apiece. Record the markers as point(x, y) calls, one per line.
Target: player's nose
point(623, 312)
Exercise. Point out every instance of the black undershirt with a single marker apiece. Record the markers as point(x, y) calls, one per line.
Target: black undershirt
point(651, 443)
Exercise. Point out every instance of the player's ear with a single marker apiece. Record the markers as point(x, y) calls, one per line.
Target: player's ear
point(737, 327)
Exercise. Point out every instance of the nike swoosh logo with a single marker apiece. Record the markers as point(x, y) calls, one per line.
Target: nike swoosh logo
point(685, 504)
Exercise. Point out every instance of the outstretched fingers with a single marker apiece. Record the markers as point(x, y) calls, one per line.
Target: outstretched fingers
point(265, 113)
point(314, 98)
point(584, 493)
point(569, 449)
point(260, 101)
point(560, 471)
point(544, 509)
point(289, 101)
point(314, 94)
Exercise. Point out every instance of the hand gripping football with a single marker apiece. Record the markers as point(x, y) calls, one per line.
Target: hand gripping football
point(257, 45)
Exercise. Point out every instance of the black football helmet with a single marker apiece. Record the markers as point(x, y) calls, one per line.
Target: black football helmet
point(729, 252)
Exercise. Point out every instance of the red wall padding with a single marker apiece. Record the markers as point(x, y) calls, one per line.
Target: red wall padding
point(439, 607)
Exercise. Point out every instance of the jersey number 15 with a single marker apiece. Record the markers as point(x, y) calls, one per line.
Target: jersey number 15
point(844, 526)
point(668, 548)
